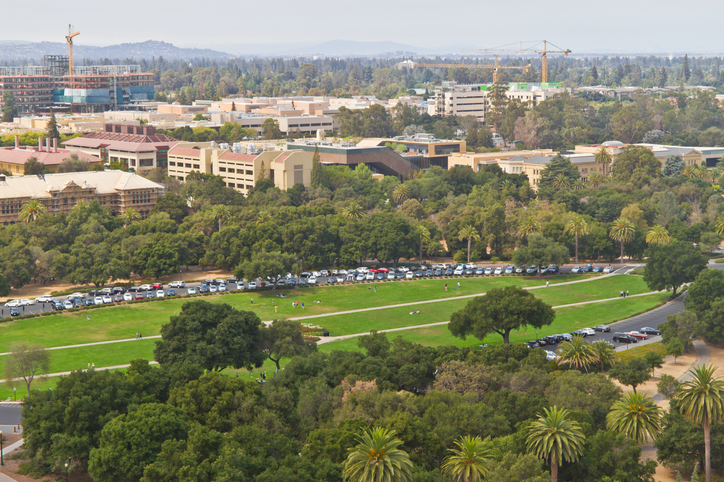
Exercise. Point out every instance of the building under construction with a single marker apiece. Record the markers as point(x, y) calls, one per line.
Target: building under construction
point(95, 88)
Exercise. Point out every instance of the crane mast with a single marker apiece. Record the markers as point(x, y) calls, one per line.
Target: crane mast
point(69, 39)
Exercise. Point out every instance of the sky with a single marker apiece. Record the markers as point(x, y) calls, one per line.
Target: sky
point(268, 26)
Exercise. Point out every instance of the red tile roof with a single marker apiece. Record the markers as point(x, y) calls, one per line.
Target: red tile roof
point(184, 151)
point(281, 158)
point(122, 142)
point(20, 156)
point(233, 156)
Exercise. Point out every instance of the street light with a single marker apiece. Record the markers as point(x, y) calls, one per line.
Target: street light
point(2, 462)
point(66, 472)
point(15, 394)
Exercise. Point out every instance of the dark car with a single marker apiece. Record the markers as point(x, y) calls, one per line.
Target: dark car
point(428, 272)
point(532, 270)
point(57, 305)
point(647, 330)
point(586, 269)
point(209, 282)
point(78, 302)
point(602, 328)
point(171, 292)
point(448, 272)
point(542, 342)
point(624, 338)
point(118, 290)
point(14, 311)
point(552, 269)
point(550, 340)
point(598, 269)
point(89, 302)
point(150, 294)
point(133, 289)
point(533, 344)
point(203, 288)
point(438, 272)
point(232, 280)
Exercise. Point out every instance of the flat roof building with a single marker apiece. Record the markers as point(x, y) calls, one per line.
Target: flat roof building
point(13, 159)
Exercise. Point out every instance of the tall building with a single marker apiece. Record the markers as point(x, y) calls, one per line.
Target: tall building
point(95, 88)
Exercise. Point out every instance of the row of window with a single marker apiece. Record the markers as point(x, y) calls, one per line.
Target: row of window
point(239, 186)
point(248, 172)
point(186, 165)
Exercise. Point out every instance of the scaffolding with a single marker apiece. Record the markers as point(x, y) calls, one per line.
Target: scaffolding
point(56, 64)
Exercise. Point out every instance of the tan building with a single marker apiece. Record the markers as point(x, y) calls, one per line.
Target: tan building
point(13, 159)
point(116, 190)
point(424, 149)
point(287, 124)
point(241, 170)
point(179, 109)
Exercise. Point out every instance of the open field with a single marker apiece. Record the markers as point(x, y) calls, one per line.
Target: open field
point(124, 321)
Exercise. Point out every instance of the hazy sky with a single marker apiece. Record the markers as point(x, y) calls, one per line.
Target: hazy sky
point(627, 26)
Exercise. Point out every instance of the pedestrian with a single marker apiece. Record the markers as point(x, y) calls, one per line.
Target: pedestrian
point(302, 304)
point(136, 335)
point(620, 294)
point(23, 308)
point(93, 366)
point(252, 300)
point(140, 336)
point(87, 317)
point(547, 283)
point(275, 309)
point(375, 292)
point(458, 284)
point(626, 293)
point(446, 287)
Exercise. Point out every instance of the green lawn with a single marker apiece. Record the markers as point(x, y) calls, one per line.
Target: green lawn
point(124, 321)
point(567, 320)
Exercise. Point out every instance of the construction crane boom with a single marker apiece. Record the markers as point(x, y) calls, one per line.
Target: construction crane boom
point(494, 67)
point(69, 39)
point(544, 55)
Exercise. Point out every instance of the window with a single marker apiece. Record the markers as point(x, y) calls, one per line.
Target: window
point(222, 169)
point(172, 163)
point(196, 166)
point(249, 173)
point(231, 184)
point(231, 169)
point(188, 166)
point(299, 174)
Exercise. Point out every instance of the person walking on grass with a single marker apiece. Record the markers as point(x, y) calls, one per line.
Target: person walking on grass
point(445, 287)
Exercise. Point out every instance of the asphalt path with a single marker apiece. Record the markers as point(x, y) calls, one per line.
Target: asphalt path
point(9, 415)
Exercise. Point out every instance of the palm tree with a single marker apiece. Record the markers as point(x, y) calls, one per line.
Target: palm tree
point(528, 227)
point(579, 185)
point(31, 211)
point(719, 227)
point(635, 415)
point(604, 354)
point(263, 217)
point(470, 233)
point(470, 462)
point(220, 212)
point(131, 216)
point(577, 353)
point(424, 235)
point(401, 193)
point(576, 226)
point(622, 231)
point(704, 174)
point(376, 458)
point(561, 182)
point(506, 185)
point(690, 172)
point(556, 438)
point(603, 158)
point(701, 401)
point(352, 210)
point(658, 235)
point(594, 180)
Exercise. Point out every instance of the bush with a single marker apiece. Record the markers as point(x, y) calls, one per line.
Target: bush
point(461, 256)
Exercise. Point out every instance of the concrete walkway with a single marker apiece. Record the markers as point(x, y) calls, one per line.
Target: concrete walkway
point(47, 375)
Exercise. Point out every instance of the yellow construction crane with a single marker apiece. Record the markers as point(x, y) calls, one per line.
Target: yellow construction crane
point(69, 39)
point(410, 64)
point(543, 52)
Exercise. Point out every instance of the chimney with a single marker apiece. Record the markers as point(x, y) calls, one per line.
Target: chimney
point(55, 144)
point(17, 142)
point(47, 144)
point(40, 144)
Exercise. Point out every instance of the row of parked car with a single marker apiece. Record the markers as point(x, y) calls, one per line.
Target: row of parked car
point(627, 337)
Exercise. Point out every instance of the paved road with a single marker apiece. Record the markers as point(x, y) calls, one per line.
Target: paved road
point(9, 414)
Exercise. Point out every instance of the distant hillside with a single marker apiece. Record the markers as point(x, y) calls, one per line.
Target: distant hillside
point(139, 50)
point(351, 48)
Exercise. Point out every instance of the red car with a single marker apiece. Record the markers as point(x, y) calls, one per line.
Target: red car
point(157, 286)
point(636, 334)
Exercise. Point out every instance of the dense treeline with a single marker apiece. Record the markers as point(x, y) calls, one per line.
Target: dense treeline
point(347, 216)
point(300, 424)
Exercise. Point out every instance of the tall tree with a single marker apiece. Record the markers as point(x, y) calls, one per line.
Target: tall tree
point(51, 129)
point(604, 354)
point(213, 336)
point(269, 265)
point(671, 265)
point(10, 109)
point(576, 353)
point(603, 158)
point(470, 462)
point(284, 339)
point(33, 167)
point(686, 73)
point(500, 310)
point(556, 438)
point(578, 227)
point(701, 401)
point(673, 166)
point(623, 231)
point(635, 415)
point(401, 193)
point(658, 235)
point(26, 362)
point(468, 232)
point(220, 212)
point(377, 458)
point(424, 235)
point(632, 373)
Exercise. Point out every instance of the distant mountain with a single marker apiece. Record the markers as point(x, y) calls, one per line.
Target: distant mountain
point(150, 48)
point(352, 48)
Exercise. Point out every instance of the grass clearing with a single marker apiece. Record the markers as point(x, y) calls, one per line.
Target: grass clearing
point(640, 351)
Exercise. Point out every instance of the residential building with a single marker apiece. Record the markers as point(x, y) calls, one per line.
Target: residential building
point(134, 146)
point(240, 170)
point(13, 159)
point(116, 190)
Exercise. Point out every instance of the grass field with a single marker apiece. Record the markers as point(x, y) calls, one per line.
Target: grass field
point(124, 321)
point(120, 322)
point(567, 320)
